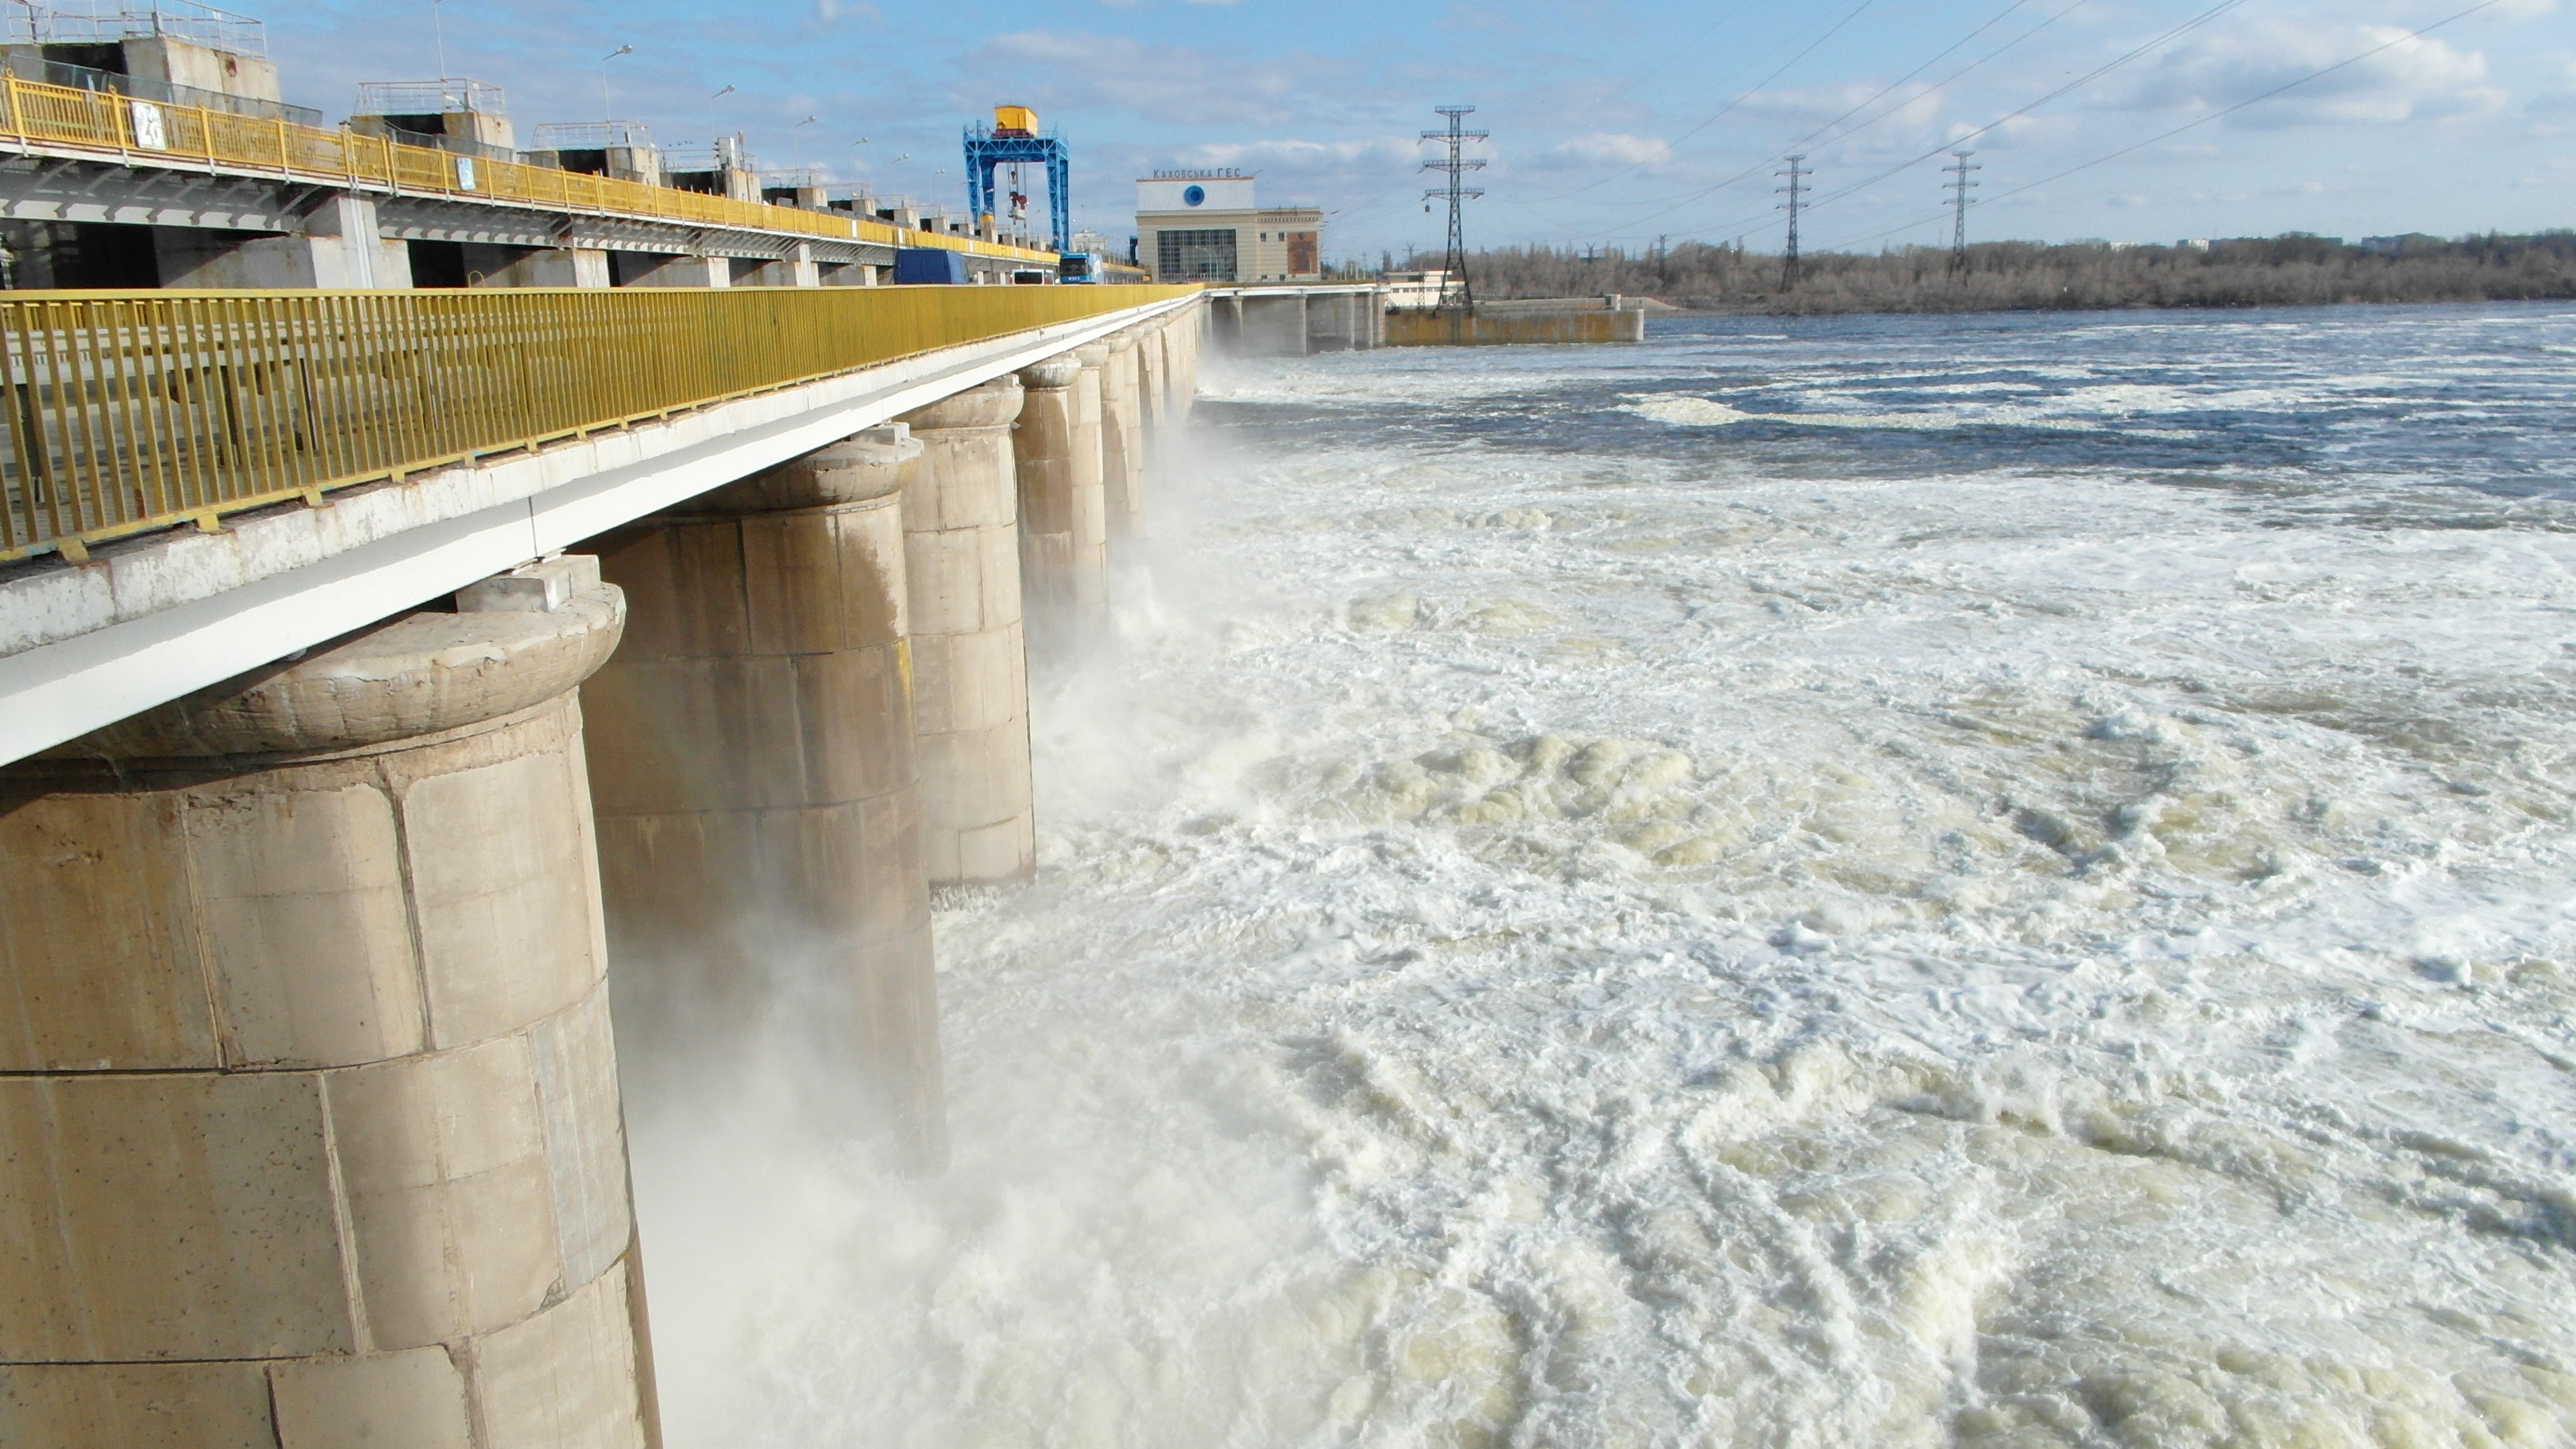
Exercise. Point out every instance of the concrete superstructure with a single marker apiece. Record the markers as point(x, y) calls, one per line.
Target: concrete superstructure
point(122, 166)
point(1204, 226)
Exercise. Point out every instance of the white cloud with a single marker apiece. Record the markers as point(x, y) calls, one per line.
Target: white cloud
point(1608, 149)
point(1168, 83)
point(1854, 105)
point(2559, 98)
point(2404, 77)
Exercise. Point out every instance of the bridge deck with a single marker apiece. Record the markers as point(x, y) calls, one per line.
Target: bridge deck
point(130, 411)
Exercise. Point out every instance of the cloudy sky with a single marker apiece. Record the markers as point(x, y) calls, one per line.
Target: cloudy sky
point(1635, 119)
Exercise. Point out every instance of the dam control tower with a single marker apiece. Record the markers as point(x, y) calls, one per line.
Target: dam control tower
point(1014, 140)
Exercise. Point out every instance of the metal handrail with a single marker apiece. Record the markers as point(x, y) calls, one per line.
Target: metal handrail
point(430, 98)
point(93, 21)
point(130, 411)
point(134, 130)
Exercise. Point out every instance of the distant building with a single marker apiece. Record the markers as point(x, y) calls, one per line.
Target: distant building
point(1202, 226)
point(1414, 291)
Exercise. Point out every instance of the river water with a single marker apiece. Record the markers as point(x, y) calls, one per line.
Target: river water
point(1997, 881)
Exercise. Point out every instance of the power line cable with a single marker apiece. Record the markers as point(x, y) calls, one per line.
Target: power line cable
point(1945, 53)
point(2217, 115)
point(1943, 84)
point(1663, 148)
point(1891, 86)
point(2205, 17)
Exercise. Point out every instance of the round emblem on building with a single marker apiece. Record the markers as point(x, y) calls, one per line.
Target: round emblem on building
point(1194, 196)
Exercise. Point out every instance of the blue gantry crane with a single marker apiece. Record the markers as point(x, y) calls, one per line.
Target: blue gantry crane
point(1014, 140)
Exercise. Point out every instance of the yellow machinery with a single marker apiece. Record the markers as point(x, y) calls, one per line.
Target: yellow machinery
point(1014, 121)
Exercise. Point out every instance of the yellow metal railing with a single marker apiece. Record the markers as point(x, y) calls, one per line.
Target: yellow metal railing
point(141, 130)
point(128, 411)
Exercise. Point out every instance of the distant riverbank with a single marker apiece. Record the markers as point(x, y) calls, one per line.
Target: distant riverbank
point(2288, 271)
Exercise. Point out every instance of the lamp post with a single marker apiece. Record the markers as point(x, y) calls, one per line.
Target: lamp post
point(607, 107)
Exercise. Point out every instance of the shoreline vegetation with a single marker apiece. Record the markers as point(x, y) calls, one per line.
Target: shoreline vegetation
point(2296, 270)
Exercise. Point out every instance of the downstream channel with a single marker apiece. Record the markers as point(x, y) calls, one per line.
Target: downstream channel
point(1989, 881)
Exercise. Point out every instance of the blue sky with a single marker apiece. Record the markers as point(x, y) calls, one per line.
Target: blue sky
point(1633, 120)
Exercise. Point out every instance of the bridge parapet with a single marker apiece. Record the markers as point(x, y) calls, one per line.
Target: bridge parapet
point(135, 411)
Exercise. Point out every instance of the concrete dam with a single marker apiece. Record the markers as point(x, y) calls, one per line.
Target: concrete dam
point(308, 1090)
point(439, 582)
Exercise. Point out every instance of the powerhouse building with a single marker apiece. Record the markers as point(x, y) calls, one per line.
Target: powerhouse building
point(1203, 226)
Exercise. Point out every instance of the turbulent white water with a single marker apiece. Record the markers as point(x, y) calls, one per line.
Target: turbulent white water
point(1914, 882)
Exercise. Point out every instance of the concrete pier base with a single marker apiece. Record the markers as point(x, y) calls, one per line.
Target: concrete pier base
point(547, 267)
point(970, 667)
point(310, 1131)
point(1273, 324)
point(1091, 486)
point(1153, 395)
point(1122, 437)
point(1064, 554)
point(1192, 332)
point(1333, 323)
point(759, 812)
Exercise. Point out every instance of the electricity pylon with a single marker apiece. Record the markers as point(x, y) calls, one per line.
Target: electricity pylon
point(1455, 295)
point(1958, 188)
point(1796, 191)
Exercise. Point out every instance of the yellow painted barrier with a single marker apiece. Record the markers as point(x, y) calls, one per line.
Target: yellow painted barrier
point(128, 411)
point(1511, 329)
point(135, 130)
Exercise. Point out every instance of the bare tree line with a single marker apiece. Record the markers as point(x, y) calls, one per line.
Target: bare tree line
point(2292, 270)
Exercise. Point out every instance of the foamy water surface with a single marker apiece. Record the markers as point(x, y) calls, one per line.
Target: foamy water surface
point(1924, 881)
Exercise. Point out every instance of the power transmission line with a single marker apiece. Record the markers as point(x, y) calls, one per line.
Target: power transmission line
point(2167, 37)
point(2320, 74)
point(1959, 187)
point(1890, 88)
point(1944, 83)
point(1664, 148)
point(1455, 294)
point(1790, 271)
